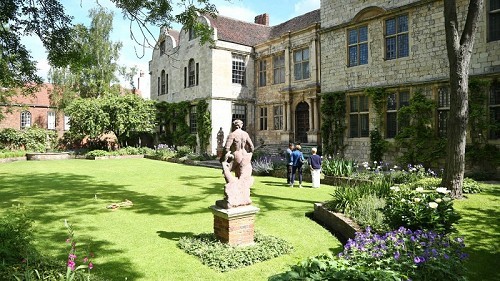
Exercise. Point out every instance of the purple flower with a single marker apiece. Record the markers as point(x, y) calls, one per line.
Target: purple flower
point(418, 260)
point(396, 255)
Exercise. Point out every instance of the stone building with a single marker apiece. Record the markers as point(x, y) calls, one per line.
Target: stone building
point(399, 46)
point(35, 109)
point(287, 82)
point(182, 69)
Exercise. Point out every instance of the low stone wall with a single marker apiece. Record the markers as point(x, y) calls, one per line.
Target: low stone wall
point(12, 159)
point(115, 157)
point(47, 156)
point(343, 181)
point(337, 223)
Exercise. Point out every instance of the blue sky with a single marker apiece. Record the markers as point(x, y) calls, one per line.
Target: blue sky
point(134, 55)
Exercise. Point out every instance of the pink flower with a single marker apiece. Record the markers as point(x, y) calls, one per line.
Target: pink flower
point(72, 256)
point(85, 260)
point(91, 265)
point(71, 265)
point(68, 240)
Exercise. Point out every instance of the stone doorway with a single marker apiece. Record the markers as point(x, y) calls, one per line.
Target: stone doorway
point(302, 121)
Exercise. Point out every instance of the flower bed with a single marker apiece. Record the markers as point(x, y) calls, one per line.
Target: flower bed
point(336, 223)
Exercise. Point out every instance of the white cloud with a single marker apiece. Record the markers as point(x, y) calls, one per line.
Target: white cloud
point(305, 6)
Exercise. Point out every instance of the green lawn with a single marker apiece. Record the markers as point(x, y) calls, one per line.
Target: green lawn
point(170, 201)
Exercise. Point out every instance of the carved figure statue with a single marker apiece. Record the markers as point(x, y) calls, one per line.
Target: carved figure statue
point(237, 158)
point(220, 138)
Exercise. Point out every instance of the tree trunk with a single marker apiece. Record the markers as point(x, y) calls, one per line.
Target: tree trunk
point(459, 48)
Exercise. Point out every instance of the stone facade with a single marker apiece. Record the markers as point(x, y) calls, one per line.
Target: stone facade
point(193, 71)
point(287, 108)
point(38, 107)
point(424, 68)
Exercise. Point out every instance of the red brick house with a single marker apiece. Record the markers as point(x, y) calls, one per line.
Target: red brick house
point(27, 111)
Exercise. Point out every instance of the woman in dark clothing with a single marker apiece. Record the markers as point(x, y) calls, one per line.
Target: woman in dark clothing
point(315, 165)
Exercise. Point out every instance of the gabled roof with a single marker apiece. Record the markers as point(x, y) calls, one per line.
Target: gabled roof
point(241, 32)
point(296, 24)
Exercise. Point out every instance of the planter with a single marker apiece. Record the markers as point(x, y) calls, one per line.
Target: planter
point(337, 223)
point(331, 180)
point(47, 156)
point(115, 157)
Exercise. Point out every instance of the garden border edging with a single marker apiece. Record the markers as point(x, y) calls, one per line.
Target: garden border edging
point(337, 223)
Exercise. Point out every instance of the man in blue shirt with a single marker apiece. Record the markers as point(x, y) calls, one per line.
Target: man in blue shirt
point(297, 159)
point(289, 164)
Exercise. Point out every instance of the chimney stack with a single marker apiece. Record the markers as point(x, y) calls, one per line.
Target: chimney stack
point(262, 19)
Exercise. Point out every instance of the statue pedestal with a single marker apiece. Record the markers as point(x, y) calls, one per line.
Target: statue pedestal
point(235, 226)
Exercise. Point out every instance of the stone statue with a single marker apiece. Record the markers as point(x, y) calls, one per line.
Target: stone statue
point(220, 138)
point(237, 158)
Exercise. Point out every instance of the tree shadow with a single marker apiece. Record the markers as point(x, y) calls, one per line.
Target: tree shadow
point(175, 236)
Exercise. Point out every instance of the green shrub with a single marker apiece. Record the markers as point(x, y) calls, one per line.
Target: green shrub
point(223, 257)
point(420, 209)
point(31, 139)
point(338, 167)
point(426, 183)
point(471, 186)
point(347, 196)
point(97, 153)
point(164, 154)
point(11, 139)
point(367, 211)
point(183, 151)
point(12, 153)
point(16, 235)
point(146, 150)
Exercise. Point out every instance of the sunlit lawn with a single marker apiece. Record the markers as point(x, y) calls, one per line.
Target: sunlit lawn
point(170, 201)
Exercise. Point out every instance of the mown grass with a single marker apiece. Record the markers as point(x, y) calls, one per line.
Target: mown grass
point(170, 201)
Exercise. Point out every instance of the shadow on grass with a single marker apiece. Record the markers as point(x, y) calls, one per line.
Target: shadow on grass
point(175, 236)
point(481, 227)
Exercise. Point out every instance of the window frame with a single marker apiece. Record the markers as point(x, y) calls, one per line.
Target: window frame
point(162, 47)
point(239, 111)
point(262, 72)
point(395, 111)
point(304, 64)
point(193, 121)
point(493, 12)
point(67, 126)
point(238, 69)
point(443, 110)
point(279, 68)
point(361, 114)
point(163, 76)
point(358, 44)
point(191, 73)
point(25, 119)
point(263, 118)
point(396, 36)
point(51, 124)
point(494, 112)
point(278, 117)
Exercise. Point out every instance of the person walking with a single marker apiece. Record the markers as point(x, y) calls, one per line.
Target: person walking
point(297, 159)
point(289, 164)
point(315, 166)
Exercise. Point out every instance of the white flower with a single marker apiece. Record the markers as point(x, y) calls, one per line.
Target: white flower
point(416, 199)
point(403, 200)
point(396, 167)
point(442, 190)
point(374, 162)
point(439, 200)
point(433, 205)
point(395, 188)
point(419, 189)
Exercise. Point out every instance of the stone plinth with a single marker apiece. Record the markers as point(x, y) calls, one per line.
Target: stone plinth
point(234, 226)
point(47, 156)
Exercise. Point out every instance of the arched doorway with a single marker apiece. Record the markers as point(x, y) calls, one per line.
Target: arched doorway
point(302, 122)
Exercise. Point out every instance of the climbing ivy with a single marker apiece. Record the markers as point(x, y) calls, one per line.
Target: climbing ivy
point(333, 122)
point(378, 145)
point(173, 117)
point(204, 124)
point(481, 156)
point(418, 141)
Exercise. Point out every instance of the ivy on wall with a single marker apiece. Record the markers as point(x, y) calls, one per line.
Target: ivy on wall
point(418, 141)
point(204, 124)
point(173, 117)
point(481, 156)
point(333, 110)
point(378, 145)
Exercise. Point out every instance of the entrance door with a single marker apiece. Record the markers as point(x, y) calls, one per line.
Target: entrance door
point(302, 121)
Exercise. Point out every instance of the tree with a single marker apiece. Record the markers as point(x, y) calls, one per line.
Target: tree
point(92, 70)
point(42, 18)
point(121, 115)
point(459, 47)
